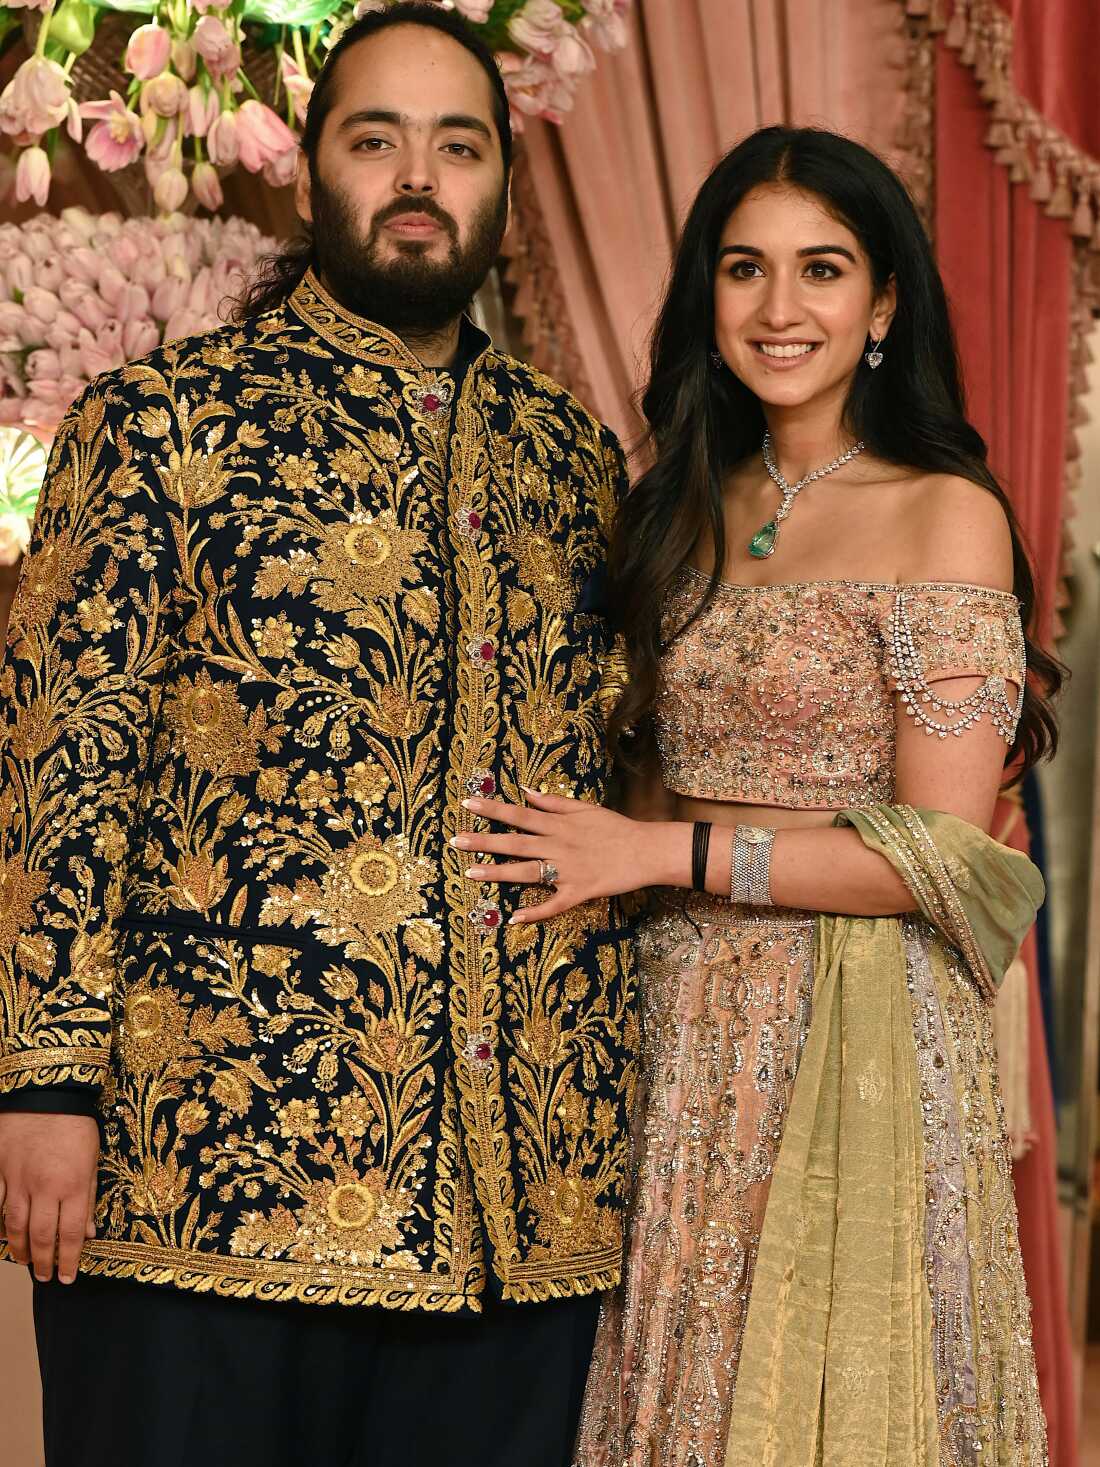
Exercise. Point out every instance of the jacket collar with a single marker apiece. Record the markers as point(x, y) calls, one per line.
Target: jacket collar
point(365, 340)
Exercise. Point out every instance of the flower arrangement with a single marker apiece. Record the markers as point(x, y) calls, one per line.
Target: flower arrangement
point(22, 468)
point(82, 293)
point(188, 104)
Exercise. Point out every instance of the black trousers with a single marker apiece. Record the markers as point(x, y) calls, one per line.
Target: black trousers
point(139, 1375)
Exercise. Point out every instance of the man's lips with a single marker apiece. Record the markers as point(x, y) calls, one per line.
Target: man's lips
point(415, 225)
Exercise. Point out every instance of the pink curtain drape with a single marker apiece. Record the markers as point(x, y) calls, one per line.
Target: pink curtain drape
point(613, 183)
point(1017, 136)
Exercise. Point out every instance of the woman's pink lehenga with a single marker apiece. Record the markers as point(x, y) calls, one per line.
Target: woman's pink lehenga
point(783, 696)
point(726, 1011)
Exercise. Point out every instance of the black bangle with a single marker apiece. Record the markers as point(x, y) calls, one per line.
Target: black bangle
point(700, 847)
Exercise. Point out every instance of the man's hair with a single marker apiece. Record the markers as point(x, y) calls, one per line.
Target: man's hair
point(279, 273)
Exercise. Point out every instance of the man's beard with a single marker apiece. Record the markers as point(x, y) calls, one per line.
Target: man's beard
point(410, 293)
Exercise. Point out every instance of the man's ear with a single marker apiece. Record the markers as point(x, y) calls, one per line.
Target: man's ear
point(508, 215)
point(303, 194)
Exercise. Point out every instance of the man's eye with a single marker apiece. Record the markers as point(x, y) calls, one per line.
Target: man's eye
point(463, 148)
point(370, 145)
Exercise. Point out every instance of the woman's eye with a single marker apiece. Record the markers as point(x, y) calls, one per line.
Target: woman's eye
point(822, 270)
point(744, 270)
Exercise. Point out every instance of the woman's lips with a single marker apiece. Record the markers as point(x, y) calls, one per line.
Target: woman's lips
point(785, 356)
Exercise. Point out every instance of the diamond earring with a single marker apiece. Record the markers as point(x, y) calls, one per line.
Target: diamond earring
point(717, 360)
point(874, 357)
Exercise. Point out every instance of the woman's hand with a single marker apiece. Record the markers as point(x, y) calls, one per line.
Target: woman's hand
point(595, 851)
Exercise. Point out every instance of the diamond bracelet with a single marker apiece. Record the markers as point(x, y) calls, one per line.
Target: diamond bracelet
point(750, 865)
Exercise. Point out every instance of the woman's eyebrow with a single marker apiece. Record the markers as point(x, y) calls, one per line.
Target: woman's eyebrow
point(822, 249)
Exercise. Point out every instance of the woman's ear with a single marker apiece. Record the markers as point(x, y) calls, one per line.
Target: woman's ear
point(884, 309)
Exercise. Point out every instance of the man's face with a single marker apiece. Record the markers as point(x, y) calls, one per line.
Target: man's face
point(407, 198)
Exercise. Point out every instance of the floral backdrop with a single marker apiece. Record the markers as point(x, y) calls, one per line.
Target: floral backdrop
point(173, 96)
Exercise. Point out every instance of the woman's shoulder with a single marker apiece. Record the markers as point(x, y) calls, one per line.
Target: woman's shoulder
point(953, 530)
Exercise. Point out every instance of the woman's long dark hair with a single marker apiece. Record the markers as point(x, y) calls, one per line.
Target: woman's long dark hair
point(280, 272)
point(702, 423)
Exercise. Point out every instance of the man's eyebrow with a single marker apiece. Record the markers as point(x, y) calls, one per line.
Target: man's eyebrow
point(822, 249)
point(398, 119)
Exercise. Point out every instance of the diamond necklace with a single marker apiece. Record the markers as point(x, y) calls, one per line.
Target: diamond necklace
point(763, 542)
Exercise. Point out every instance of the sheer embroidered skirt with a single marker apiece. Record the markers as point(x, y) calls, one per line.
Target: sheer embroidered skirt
point(726, 996)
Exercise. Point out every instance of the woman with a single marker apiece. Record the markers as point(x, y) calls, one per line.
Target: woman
point(823, 597)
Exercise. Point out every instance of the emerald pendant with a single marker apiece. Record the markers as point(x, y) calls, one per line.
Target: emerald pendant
point(763, 542)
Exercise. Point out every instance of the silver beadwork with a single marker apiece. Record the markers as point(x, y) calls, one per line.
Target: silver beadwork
point(921, 702)
point(750, 866)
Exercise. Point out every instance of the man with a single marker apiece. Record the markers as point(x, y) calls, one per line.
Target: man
point(298, 588)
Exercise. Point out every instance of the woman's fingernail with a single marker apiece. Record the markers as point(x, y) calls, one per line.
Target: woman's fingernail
point(475, 871)
point(67, 1278)
point(467, 804)
point(515, 921)
point(527, 790)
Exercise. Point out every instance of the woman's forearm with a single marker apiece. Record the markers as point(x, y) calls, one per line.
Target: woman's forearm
point(818, 870)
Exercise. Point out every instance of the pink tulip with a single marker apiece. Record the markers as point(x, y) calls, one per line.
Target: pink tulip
point(112, 283)
point(605, 23)
point(207, 186)
point(50, 273)
point(202, 6)
point(148, 52)
point(116, 138)
point(134, 304)
point(263, 135)
point(123, 253)
point(29, 4)
point(170, 190)
point(32, 177)
point(538, 26)
point(164, 95)
point(36, 99)
point(281, 171)
point(74, 293)
point(19, 273)
point(223, 140)
point(572, 54)
point(43, 363)
point(477, 11)
point(149, 270)
point(203, 108)
point(184, 59)
point(139, 338)
point(164, 140)
point(42, 304)
point(182, 323)
point(216, 47)
point(169, 296)
point(299, 88)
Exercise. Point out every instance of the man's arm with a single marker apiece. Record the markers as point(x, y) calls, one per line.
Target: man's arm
point(78, 699)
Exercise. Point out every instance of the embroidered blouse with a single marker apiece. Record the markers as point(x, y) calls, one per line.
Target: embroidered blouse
point(786, 695)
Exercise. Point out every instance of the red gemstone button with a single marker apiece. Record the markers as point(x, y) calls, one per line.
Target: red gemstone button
point(483, 1052)
point(432, 403)
point(473, 519)
point(491, 917)
point(486, 651)
point(488, 786)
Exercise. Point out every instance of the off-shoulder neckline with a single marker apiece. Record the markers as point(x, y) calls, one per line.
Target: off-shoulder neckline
point(888, 586)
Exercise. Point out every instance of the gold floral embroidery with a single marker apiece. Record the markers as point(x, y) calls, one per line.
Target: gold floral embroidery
point(238, 725)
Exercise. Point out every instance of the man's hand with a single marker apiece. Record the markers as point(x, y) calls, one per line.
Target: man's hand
point(47, 1189)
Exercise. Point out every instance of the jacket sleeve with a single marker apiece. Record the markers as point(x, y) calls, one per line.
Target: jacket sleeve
point(79, 695)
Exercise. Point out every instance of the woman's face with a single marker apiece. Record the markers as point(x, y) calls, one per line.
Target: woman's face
point(794, 300)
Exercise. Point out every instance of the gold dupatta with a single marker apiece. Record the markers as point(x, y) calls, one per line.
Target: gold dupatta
point(836, 1366)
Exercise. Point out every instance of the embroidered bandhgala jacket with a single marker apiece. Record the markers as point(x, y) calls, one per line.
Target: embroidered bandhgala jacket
point(291, 598)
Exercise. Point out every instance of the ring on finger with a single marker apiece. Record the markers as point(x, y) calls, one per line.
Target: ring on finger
point(548, 873)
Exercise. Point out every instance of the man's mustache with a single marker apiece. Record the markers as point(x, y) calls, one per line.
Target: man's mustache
point(427, 207)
